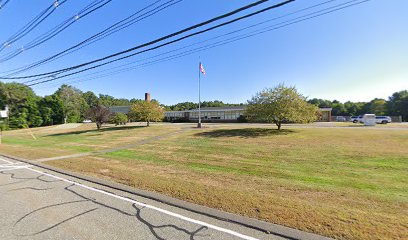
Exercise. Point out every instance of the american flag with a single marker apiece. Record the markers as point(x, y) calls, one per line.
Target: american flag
point(202, 68)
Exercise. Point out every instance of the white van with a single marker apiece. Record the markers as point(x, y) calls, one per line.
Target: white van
point(369, 120)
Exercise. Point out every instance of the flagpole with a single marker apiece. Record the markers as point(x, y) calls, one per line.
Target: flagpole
point(199, 94)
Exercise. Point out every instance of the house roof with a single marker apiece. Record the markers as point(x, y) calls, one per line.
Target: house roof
point(225, 108)
point(120, 109)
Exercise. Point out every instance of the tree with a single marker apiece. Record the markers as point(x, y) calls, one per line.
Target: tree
point(119, 119)
point(353, 108)
point(99, 115)
point(91, 99)
point(75, 105)
point(52, 110)
point(321, 103)
point(106, 100)
point(23, 105)
point(377, 106)
point(338, 109)
point(146, 112)
point(397, 104)
point(281, 104)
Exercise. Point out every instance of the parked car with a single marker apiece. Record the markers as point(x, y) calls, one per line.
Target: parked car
point(356, 119)
point(87, 121)
point(341, 119)
point(383, 119)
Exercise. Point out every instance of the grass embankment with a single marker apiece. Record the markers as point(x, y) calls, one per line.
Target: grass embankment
point(340, 182)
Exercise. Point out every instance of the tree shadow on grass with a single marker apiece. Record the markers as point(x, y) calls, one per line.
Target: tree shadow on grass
point(103, 129)
point(244, 132)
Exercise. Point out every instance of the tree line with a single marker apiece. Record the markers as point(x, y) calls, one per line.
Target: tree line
point(396, 105)
point(67, 105)
point(70, 105)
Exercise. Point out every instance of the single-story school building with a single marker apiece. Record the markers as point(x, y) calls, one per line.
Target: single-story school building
point(224, 114)
point(208, 114)
point(212, 114)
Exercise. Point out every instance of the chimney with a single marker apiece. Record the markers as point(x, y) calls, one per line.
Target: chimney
point(147, 97)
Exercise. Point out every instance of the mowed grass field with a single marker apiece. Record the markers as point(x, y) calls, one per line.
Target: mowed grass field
point(341, 182)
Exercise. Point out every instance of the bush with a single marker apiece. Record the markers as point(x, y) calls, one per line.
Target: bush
point(119, 119)
point(242, 119)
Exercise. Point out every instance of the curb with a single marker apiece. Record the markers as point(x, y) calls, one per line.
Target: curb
point(269, 228)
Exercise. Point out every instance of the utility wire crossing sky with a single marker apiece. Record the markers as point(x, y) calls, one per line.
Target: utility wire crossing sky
point(345, 50)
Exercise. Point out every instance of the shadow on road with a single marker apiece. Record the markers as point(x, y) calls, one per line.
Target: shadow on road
point(244, 133)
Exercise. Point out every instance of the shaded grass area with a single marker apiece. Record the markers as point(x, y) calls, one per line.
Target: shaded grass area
point(244, 132)
point(96, 131)
point(339, 182)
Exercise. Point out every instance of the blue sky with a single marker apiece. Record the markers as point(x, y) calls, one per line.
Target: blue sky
point(355, 54)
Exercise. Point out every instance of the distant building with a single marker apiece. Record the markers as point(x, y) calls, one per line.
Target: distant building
point(325, 114)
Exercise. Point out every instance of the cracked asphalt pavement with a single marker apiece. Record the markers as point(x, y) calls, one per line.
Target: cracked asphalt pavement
point(39, 204)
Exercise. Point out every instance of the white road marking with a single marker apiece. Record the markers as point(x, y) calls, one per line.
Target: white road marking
point(4, 160)
point(15, 168)
point(9, 164)
point(176, 215)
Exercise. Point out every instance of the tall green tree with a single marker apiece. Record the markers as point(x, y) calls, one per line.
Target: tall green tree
point(91, 99)
point(281, 104)
point(377, 106)
point(397, 105)
point(354, 108)
point(75, 106)
point(146, 112)
point(52, 110)
point(106, 100)
point(23, 105)
point(338, 109)
point(321, 103)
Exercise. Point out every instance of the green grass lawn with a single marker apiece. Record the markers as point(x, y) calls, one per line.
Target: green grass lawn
point(346, 183)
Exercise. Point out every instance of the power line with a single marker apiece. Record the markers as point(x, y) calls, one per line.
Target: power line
point(162, 39)
point(124, 23)
point(90, 8)
point(32, 24)
point(159, 46)
point(2, 5)
point(234, 39)
point(242, 29)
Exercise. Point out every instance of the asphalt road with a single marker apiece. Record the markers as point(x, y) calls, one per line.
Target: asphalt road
point(39, 204)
